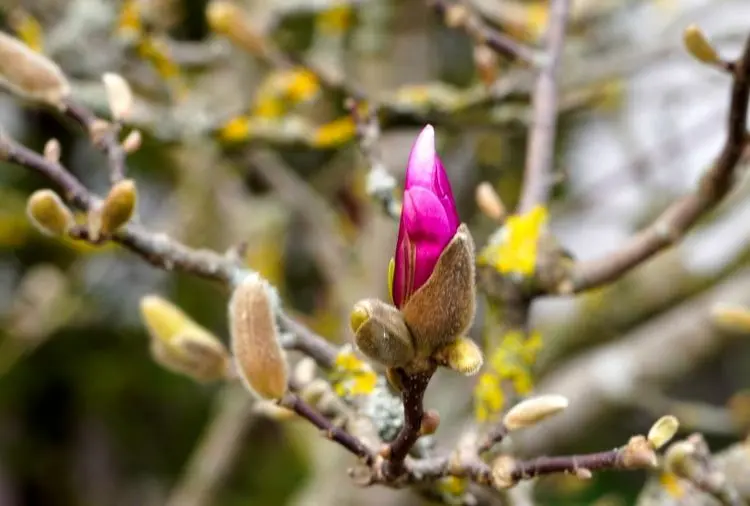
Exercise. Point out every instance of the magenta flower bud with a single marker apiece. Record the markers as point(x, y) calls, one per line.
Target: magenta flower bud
point(429, 219)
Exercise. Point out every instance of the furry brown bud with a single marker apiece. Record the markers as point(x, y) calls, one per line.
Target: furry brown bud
point(381, 334)
point(443, 308)
point(48, 213)
point(462, 355)
point(261, 362)
point(30, 74)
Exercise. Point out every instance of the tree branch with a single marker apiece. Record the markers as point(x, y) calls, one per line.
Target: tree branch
point(537, 177)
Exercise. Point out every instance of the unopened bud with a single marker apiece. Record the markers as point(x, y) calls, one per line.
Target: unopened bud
point(180, 344)
point(261, 362)
point(486, 62)
point(132, 142)
point(119, 96)
point(29, 74)
point(52, 151)
point(489, 202)
point(118, 207)
point(698, 46)
point(430, 422)
point(226, 18)
point(462, 355)
point(315, 391)
point(98, 129)
point(304, 371)
point(638, 454)
point(534, 410)
point(502, 472)
point(733, 318)
point(663, 431)
point(48, 213)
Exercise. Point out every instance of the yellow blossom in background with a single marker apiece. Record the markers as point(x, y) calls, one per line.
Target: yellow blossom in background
point(129, 23)
point(235, 130)
point(335, 20)
point(352, 376)
point(508, 366)
point(27, 29)
point(489, 397)
point(335, 133)
point(283, 89)
point(671, 483)
point(515, 249)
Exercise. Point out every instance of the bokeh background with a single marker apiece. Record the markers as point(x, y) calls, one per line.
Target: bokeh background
point(87, 417)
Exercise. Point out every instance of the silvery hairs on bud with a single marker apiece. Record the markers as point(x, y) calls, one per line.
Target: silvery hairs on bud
point(29, 74)
point(260, 360)
point(381, 333)
point(443, 308)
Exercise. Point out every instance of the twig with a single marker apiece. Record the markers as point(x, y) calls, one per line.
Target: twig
point(304, 340)
point(672, 224)
point(460, 16)
point(537, 177)
point(215, 454)
point(328, 429)
point(380, 183)
point(496, 434)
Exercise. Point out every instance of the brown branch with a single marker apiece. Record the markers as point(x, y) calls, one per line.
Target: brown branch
point(672, 224)
point(456, 15)
point(328, 429)
point(537, 177)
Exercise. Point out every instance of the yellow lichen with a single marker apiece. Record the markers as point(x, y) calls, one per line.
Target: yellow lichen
point(281, 90)
point(235, 130)
point(335, 20)
point(335, 133)
point(27, 29)
point(671, 483)
point(515, 249)
point(129, 21)
point(489, 397)
point(352, 376)
point(452, 485)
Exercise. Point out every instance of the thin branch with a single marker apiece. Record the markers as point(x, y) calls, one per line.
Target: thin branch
point(328, 429)
point(672, 224)
point(537, 177)
point(460, 16)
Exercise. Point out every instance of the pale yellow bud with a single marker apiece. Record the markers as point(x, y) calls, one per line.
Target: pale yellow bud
point(462, 355)
point(304, 371)
point(52, 150)
point(30, 74)
point(180, 344)
point(48, 213)
point(734, 318)
point(261, 362)
point(534, 410)
point(698, 46)
point(502, 472)
point(132, 142)
point(489, 202)
point(118, 207)
point(663, 431)
point(119, 96)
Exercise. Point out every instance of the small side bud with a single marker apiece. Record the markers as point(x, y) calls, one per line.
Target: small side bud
point(638, 454)
point(30, 74)
point(462, 355)
point(698, 46)
point(48, 213)
point(181, 345)
point(679, 459)
point(132, 142)
point(663, 431)
point(52, 150)
point(534, 410)
point(304, 371)
point(502, 472)
point(456, 15)
point(430, 422)
point(118, 207)
point(381, 333)
point(486, 62)
point(119, 96)
point(261, 362)
point(489, 202)
point(733, 318)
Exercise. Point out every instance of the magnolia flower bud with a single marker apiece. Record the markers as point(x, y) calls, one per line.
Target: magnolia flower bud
point(381, 334)
point(698, 46)
point(119, 96)
point(118, 207)
point(663, 431)
point(48, 213)
point(180, 344)
point(52, 150)
point(260, 360)
point(462, 355)
point(534, 410)
point(30, 74)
